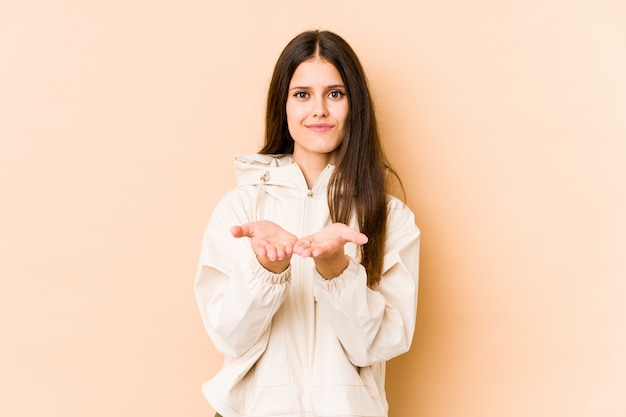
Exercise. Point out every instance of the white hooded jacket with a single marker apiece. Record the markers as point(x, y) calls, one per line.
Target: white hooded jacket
point(295, 344)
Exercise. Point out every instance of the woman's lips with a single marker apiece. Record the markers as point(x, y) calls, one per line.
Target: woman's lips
point(321, 127)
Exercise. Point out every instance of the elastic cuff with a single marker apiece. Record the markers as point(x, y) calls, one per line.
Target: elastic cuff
point(267, 276)
point(340, 282)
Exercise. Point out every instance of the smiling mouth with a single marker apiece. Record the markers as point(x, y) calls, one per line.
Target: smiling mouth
point(322, 127)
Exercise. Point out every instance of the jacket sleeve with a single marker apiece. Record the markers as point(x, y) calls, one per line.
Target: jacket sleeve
point(375, 325)
point(237, 297)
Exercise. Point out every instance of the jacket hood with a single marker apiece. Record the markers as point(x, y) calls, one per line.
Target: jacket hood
point(274, 170)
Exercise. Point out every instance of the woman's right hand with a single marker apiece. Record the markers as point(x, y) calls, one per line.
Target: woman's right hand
point(272, 245)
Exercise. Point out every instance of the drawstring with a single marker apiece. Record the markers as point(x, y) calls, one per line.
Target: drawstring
point(261, 193)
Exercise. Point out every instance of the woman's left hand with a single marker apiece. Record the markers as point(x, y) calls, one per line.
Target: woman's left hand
point(326, 248)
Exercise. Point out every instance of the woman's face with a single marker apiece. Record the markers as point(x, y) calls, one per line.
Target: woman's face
point(317, 110)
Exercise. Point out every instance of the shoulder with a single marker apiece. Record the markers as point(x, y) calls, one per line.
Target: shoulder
point(397, 207)
point(401, 219)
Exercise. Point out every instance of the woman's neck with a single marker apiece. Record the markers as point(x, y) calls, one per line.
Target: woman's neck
point(312, 167)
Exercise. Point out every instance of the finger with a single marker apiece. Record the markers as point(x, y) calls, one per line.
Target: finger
point(302, 243)
point(354, 237)
point(361, 239)
point(280, 252)
point(303, 250)
point(289, 250)
point(270, 253)
point(303, 253)
point(236, 231)
point(300, 246)
point(244, 230)
point(259, 250)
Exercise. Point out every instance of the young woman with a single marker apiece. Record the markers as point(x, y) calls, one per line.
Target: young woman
point(308, 273)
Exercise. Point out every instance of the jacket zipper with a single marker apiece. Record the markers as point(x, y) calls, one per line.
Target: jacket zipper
point(305, 292)
point(304, 297)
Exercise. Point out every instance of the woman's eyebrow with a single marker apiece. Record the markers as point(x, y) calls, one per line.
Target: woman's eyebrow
point(328, 87)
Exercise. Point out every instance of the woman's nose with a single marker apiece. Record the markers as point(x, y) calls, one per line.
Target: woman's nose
point(319, 107)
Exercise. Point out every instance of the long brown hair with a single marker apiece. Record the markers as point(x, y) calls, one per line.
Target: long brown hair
point(359, 182)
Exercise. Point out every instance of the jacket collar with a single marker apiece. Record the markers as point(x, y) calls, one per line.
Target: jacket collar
point(276, 170)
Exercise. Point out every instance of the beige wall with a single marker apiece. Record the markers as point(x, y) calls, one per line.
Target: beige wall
point(506, 119)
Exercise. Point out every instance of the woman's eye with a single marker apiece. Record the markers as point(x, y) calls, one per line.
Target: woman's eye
point(301, 94)
point(336, 94)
